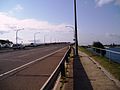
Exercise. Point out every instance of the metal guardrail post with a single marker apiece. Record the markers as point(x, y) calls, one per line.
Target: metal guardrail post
point(67, 58)
point(109, 57)
point(62, 69)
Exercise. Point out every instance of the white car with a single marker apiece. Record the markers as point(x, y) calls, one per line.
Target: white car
point(18, 46)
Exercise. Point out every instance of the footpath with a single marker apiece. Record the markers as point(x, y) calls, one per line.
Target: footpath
point(85, 74)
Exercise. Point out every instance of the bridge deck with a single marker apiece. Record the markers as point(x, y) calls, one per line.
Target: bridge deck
point(33, 76)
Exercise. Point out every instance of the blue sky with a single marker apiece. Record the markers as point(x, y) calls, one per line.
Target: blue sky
point(98, 20)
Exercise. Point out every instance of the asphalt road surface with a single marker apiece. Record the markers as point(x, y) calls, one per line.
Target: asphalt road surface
point(33, 76)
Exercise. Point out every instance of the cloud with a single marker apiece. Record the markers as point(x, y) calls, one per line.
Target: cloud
point(104, 2)
point(113, 35)
point(8, 22)
point(2, 32)
point(17, 8)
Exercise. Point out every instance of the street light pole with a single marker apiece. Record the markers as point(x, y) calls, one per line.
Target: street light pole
point(35, 37)
point(17, 35)
point(73, 30)
point(76, 39)
point(44, 39)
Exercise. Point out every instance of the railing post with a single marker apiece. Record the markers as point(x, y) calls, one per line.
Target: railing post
point(62, 69)
point(66, 58)
point(109, 56)
point(68, 55)
point(100, 52)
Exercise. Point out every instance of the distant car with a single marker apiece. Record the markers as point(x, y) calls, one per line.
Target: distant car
point(18, 46)
point(33, 45)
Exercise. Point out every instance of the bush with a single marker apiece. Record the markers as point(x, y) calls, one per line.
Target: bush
point(99, 45)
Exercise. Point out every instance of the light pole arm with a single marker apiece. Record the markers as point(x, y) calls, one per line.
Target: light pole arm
point(71, 28)
point(17, 35)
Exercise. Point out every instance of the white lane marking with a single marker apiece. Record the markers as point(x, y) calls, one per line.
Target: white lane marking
point(30, 63)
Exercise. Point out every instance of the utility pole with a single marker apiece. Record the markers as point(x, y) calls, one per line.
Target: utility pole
point(35, 37)
point(17, 35)
point(76, 39)
point(44, 39)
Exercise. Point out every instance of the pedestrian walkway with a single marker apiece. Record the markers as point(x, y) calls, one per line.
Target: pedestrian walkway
point(85, 75)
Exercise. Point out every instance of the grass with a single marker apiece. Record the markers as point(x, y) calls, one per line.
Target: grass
point(112, 67)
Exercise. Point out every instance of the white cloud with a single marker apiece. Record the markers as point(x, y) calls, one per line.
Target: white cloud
point(54, 31)
point(103, 2)
point(17, 8)
point(113, 35)
point(8, 21)
point(2, 32)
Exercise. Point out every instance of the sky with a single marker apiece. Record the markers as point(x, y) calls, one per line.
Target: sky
point(51, 21)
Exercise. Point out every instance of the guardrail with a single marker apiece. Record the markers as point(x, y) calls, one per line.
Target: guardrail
point(109, 53)
point(49, 84)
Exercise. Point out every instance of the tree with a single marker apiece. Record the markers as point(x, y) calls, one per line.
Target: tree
point(99, 45)
point(5, 43)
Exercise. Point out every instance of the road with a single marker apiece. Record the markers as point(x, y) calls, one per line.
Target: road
point(34, 74)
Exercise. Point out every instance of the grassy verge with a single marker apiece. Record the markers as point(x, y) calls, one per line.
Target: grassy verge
point(112, 67)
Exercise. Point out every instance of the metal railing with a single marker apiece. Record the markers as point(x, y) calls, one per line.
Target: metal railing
point(60, 69)
point(110, 54)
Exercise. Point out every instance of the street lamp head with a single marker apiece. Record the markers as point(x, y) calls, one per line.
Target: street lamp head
point(69, 27)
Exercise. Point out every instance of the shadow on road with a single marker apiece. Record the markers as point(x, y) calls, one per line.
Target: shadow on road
point(81, 80)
